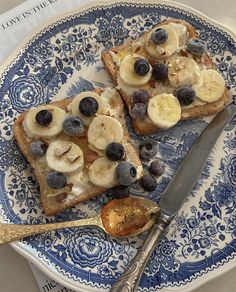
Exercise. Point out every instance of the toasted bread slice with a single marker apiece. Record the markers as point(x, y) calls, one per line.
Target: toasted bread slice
point(145, 127)
point(64, 199)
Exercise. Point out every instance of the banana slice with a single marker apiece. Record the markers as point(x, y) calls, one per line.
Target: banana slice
point(165, 50)
point(64, 156)
point(34, 130)
point(211, 87)
point(129, 76)
point(102, 109)
point(179, 29)
point(164, 110)
point(102, 172)
point(80, 179)
point(103, 130)
point(183, 71)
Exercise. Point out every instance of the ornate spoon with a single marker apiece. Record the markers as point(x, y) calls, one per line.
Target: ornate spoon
point(120, 218)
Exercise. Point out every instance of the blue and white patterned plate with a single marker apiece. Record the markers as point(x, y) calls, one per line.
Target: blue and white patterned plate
point(60, 61)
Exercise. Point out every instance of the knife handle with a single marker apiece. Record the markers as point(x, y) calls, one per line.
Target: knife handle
point(129, 280)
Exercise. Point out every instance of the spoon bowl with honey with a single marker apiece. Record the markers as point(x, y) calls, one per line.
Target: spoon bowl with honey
point(120, 218)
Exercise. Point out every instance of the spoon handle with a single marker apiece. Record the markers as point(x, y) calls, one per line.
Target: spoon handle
point(129, 280)
point(12, 232)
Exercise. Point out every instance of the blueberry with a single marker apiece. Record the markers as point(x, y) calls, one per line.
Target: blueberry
point(185, 95)
point(37, 148)
point(56, 180)
point(139, 111)
point(156, 168)
point(126, 173)
point(141, 67)
point(119, 192)
point(88, 106)
point(44, 118)
point(196, 47)
point(160, 71)
point(159, 36)
point(115, 151)
point(148, 182)
point(148, 148)
point(141, 96)
point(73, 126)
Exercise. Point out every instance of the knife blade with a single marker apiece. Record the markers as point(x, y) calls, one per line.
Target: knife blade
point(184, 179)
point(174, 196)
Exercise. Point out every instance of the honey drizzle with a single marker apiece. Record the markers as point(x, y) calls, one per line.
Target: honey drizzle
point(122, 218)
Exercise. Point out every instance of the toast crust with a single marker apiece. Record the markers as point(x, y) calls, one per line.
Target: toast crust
point(145, 127)
point(51, 205)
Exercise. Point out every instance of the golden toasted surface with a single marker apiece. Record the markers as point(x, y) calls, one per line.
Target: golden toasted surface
point(56, 204)
point(145, 127)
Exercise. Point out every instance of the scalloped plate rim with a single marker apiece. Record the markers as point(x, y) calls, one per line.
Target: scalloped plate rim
point(20, 247)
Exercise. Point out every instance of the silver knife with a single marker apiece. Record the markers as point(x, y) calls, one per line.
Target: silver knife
point(174, 196)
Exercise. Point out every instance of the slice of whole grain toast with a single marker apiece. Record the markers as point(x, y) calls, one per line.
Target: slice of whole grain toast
point(55, 204)
point(145, 127)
